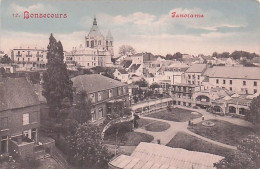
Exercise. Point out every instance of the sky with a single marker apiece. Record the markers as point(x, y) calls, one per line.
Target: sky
point(146, 25)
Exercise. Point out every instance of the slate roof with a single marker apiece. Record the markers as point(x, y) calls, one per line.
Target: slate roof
point(134, 67)
point(126, 63)
point(122, 71)
point(16, 93)
point(94, 82)
point(233, 72)
point(156, 156)
point(196, 68)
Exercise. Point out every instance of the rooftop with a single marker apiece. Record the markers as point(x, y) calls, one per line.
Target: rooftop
point(16, 93)
point(156, 156)
point(196, 68)
point(234, 72)
point(94, 82)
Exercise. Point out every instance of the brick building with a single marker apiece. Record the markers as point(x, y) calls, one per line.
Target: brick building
point(19, 116)
point(100, 90)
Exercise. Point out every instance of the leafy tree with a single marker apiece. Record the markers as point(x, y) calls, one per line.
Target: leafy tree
point(125, 49)
point(56, 85)
point(215, 54)
point(86, 148)
point(141, 83)
point(5, 60)
point(253, 114)
point(118, 109)
point(247, 156)
point(154, 86)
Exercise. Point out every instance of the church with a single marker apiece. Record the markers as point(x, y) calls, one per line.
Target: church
point(97, 50)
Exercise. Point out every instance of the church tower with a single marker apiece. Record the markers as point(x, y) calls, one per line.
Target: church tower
point(95, 39)
point(109, 43)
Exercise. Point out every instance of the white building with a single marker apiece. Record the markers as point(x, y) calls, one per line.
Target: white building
point(97, 51)
point(28, 59)
point(238, 79)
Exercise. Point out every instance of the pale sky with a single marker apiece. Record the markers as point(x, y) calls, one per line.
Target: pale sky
point(145, 25)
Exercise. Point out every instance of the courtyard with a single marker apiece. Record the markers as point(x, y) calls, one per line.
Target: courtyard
point(222, 131)
point(175, 114)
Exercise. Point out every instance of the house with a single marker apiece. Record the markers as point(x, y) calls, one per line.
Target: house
point(193, 74)
point(182, 94)
point(101, 91)
point(19, 117)
point(8, 68)
point(121, 74)
point(28, 59)
point(238, 79)
point(150, 155)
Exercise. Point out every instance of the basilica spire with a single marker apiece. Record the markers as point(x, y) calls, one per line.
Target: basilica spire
point(95, 21)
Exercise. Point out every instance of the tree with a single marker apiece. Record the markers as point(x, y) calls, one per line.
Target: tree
point(141, 83)
point(5, 60)
point(56, 85)
point(154, 86)
point(86, 148)
point(247, 156)
point(126, 49)
point(253, 114)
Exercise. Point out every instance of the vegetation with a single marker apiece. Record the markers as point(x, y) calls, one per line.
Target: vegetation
point(5, 59)
point(57, 85)
point(247, 156)
point(157, 126)
point(126, 49)
point(253, 115)
point(192, 143)
point(176, 114)
point(125, 135)
point(177, 56)
point(86, 147)
point(223, 132)
point(235, 55)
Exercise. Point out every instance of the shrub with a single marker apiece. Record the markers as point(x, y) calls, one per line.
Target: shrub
point(122, 128)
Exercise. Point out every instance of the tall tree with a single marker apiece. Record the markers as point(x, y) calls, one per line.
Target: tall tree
point(126, 49)
point(57, 85)
point(86, 147)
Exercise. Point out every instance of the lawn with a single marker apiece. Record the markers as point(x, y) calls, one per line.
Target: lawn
point(176, 114)
point(152, 125)
point(128, 139)
point(192, 143)
point(125, 134)
point(223, 132)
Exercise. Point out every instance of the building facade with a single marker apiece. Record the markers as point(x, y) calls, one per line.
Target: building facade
point(97, 51)
point(19, 117)
point(28, 59)
point(101, 91)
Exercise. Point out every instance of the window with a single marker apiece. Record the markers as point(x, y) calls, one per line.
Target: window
point(19, 53)
point(3, 145)
point(92, 97)
point(230, 82)
point(26, 119)
point(255, 91)
point(230, 88)
point(99, 96)
point(189, 76)
point(255, 83)
point(93, 115)
point(124, 89)
point(119, 91)
point(110, 93)
point(224, 81)
point(87, 43)
point(217, 81)
point(198, 77)
point(101, 112)
point(244, 83)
